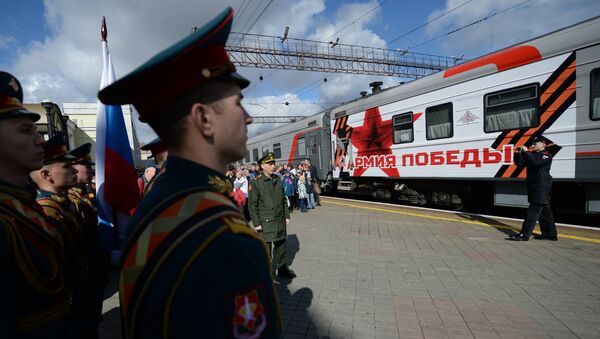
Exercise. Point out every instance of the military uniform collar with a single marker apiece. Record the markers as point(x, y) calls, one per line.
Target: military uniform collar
point(272, 177)
point(46, 194)
point(198, 175)
point(26, 193)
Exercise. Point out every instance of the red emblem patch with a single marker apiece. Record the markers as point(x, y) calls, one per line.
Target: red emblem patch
point(249, 318)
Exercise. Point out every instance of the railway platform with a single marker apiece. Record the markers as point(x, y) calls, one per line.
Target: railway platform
point(368, 270)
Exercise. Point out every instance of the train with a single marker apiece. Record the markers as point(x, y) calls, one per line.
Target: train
point(448, 139)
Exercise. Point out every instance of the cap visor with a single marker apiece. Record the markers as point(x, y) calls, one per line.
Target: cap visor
point(21, 113)
point(241, 81)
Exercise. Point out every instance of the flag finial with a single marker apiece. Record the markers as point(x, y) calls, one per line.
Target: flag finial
point(103, 31)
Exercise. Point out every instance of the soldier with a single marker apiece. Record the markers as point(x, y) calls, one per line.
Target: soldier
point(191, 266)
point(83, 164)
point(269, 212)
point(35, 284)
point(159, 152)
point(84, 210)
point(54, 179)
point(539, 185)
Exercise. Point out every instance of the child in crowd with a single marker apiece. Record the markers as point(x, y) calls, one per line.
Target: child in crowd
point(288, 187)
point(302, 193)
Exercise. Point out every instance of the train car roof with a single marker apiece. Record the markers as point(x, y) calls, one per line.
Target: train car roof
point(570, 38)
point(291, 127)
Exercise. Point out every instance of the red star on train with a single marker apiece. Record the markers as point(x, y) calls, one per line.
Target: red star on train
point(374, 137)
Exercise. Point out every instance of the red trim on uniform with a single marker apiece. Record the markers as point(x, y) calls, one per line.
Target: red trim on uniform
point(295, 144)
point(586, 153)
point(506, 59)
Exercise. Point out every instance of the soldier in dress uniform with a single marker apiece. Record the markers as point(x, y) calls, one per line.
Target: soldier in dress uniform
point(159, 152)
point(35, 281)
point(191, 266)
point(83, 164)
point(54, 179)
point(269, 212)
point(83, 206)
point(539, 185)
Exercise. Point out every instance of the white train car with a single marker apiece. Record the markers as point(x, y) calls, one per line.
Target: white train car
point(293, 143)
point(450, 136)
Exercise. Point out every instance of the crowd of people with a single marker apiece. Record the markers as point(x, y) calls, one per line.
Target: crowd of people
point(301, 183)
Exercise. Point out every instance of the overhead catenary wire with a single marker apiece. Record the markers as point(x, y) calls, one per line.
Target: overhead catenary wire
point(259, 16)
point(242, 10)
point(427, 23)
point(303, 89)
point(252, 15)
point(442, 35)
point(326, 39)
point(470, 24)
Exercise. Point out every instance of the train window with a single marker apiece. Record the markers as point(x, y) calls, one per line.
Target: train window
point(265, 150)
point(301, 147)
point(255, 154)
point(403, 128)
point(277, 150)
point(595, 94)
point(512, 108)
point(439, 123)
point(247, 156)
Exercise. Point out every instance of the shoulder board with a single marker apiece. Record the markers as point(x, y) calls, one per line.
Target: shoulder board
point(150, 233)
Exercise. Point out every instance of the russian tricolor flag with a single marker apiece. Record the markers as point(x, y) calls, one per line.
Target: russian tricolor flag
point(116, 179)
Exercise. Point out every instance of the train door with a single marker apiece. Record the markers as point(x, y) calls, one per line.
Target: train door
point(587, 139)
point(313, 146)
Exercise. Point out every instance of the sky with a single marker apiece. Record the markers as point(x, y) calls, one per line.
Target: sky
point(53, 46)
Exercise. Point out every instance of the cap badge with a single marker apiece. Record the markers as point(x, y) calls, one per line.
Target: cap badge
point(13, 83)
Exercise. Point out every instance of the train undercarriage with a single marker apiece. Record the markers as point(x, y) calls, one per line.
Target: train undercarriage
point(567, 196)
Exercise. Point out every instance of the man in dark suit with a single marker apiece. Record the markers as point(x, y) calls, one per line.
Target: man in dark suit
point(539, 185)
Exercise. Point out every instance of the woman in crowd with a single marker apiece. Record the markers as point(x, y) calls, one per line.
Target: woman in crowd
point(310, 197)
point(241, 185)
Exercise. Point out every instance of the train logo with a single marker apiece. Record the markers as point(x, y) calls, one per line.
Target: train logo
point(468, 118)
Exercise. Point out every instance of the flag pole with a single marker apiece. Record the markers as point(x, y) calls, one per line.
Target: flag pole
point(115, 218)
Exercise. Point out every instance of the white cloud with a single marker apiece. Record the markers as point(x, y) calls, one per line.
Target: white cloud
point(521, 23)
point(66, 65)
point(6, 41)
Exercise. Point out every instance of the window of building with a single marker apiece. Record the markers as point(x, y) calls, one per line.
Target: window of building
point(265, 150)
point(255, 154)
point(403, 128)
point(438, 120)
point(301, 147)
point(595, 94)
point(513, 108)
point(247, 156)
point(277, 150)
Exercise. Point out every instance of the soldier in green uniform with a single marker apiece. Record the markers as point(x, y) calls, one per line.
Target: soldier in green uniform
point(54, 179)
point(269, 212)
point(35, 281)
point(191, 266)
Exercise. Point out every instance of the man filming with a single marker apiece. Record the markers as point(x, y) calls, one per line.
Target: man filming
point(538, 161)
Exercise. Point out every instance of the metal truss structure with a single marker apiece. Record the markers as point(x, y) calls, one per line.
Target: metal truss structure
point(263, 51)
